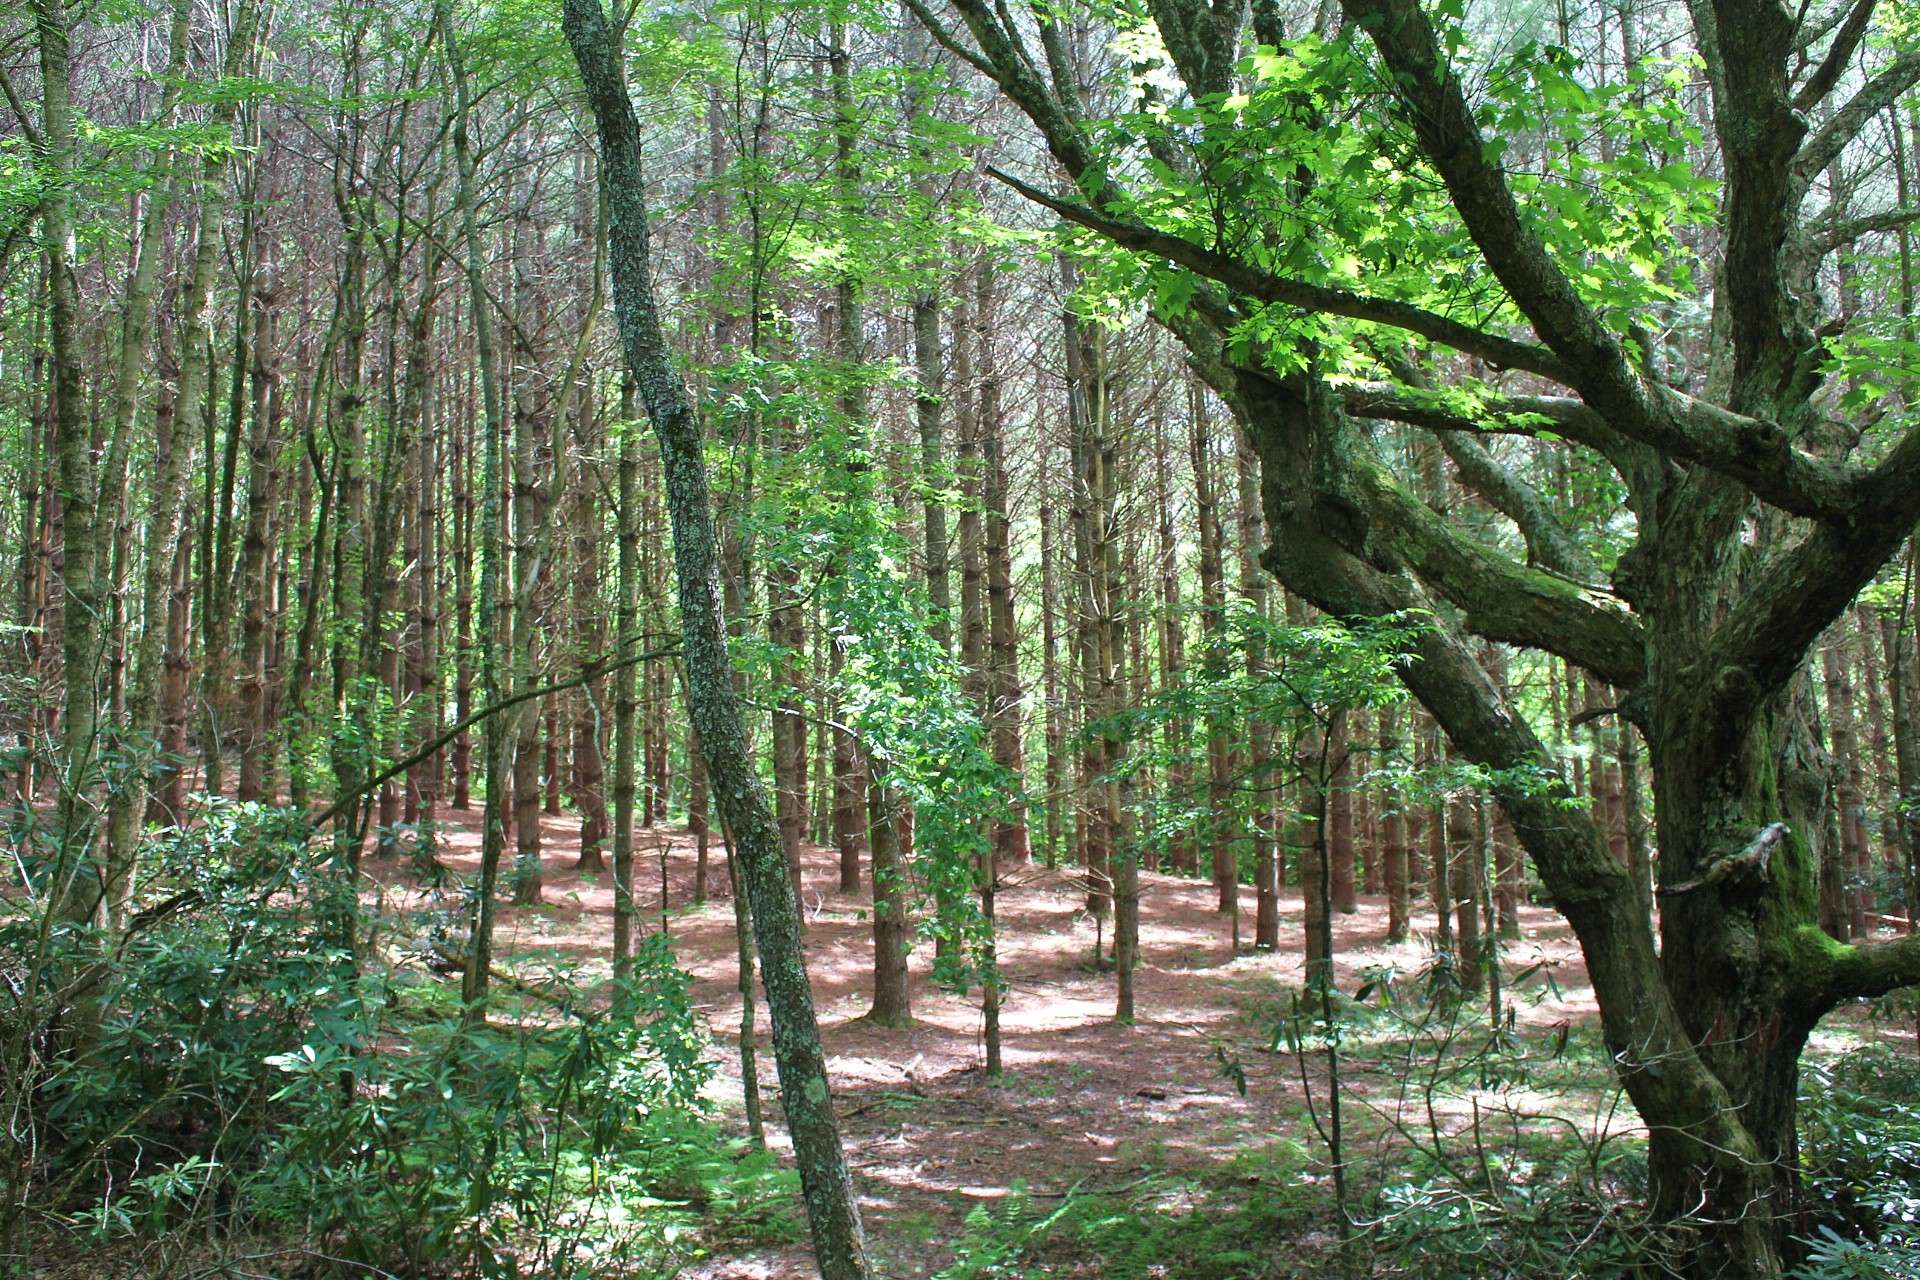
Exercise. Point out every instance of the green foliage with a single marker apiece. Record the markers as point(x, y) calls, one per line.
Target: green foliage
point(559, 1146)
point(1832, 1256)
point(902, 694)
point(1224, 1228)
point(1480, 1152)
point(239, 962)
point(246, 1077)
point(1860, 1153)
point(1253, 668)
point(897, 690)
point(1356, 206)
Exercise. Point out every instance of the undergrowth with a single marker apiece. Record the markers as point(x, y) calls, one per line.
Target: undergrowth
point(253, 1072)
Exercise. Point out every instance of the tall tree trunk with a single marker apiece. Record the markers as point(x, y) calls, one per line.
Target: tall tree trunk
point(1394, 836)
point(1263, 775)
point(1087, 389)
point(626, 702)
point(1172, 647)
point(1874, 680)
point(892, 997)
point(1006, 717)
point(1340, 846)
point(1850, 854)
point(519, 611)
point(832, 1211)
point(1213, 605)
point(463, 574)
point(256, 584)
point(78, 886)
point(497, 731)
point(1903, 669)
point(589, 639)
point(1055, 768)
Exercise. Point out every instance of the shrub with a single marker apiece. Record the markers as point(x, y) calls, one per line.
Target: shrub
point(246, 1073)
point(1860, 1153)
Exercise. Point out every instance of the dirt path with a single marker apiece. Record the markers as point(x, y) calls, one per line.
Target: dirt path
point(1083, 1098)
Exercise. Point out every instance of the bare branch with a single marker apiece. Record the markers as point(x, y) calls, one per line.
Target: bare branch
point(1826, 143)
point(1830, 234)
point(1845, 45)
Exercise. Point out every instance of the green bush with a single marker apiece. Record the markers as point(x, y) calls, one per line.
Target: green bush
point(245, 1074)
point(557, 1145)
point(1860, 1154)
point(231, 962)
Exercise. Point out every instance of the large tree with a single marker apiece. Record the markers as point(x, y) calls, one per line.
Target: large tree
point(1263, 222)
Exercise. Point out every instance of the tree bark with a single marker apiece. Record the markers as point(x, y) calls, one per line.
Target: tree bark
point(832, 1211)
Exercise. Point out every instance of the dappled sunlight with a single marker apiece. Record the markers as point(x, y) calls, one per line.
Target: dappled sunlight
point(1085, 1100)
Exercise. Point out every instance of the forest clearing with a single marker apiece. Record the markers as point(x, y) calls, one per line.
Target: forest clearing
point(1163, 639)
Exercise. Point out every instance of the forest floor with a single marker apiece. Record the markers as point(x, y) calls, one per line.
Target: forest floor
point(1086, 1104)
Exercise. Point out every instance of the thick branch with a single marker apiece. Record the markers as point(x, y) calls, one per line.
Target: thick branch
point(1755, 452)
point(1800, 590)
point(1263, 286)
point(1437, 109)
point(1841, 52)
point(1831, 234)
point(1549, 545)
point(1830, 139)
point(1002, 58)
point(1504, 600)
point(1659, 1064)
point(1862, 971)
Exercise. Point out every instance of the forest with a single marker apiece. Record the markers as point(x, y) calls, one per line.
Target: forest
point(959, 639)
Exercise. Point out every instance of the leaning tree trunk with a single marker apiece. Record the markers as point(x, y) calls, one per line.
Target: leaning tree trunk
point(832, 1212)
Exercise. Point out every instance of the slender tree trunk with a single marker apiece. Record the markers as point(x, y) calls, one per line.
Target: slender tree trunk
point(1006, 717)
point(1213, 604)
point(1263, 778)
point(626, 708)
point(832, 1211)
point(1055, 769)
point(79, 887)
point(1340, 845)
point(1874, 680)
point(1903, 669)
point(892, 997)
point(849, 790)
point(497, 732)
point(697, 819)
point(1394, 837)
point(1087, 395)
point(463, 572)
point(1172, 647)
point(256, 584)
point(1849, 899)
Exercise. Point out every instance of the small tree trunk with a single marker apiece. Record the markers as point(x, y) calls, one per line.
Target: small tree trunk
point(849, 790)
point(892, 999)
point(697, 819)
point(743, 941)
point(1262, 772)
point(1851, 854)
point(626, 702)
point(1055, 769)
point(1225, 863)
point(1394, 837)
point(1340, 819)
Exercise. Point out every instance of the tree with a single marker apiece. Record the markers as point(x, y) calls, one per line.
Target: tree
point(831, 1210)
point(1751, 537)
